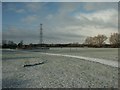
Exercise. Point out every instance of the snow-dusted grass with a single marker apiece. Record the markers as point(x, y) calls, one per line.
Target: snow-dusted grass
point(102, 61)
point(60, 72)
point(102, 53)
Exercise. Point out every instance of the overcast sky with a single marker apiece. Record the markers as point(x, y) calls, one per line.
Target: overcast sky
point(63, 22)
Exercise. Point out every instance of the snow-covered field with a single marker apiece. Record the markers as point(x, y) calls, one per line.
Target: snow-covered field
point(59, 70)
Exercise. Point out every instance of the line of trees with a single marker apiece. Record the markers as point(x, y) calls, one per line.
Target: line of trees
point(12, 45)
point(99, 40)
point(96, 41)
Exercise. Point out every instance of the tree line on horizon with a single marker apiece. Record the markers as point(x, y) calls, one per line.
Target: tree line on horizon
point(96, 41)
point(99, 40)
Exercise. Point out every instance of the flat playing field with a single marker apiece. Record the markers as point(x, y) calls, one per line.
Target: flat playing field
point(60, 68)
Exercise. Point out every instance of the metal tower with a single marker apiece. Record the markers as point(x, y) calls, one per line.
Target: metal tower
point(41, 35)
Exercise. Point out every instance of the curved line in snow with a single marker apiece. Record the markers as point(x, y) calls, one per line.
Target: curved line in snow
point(102, 61)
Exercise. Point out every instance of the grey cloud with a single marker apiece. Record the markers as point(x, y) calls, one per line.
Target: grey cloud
point(100, 5)
point(34, 7)
point(30, 19)
point(18, 33)
point(88, 24)
point(20, 11)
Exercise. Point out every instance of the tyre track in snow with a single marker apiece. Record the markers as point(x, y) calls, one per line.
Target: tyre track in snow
point(101, 61)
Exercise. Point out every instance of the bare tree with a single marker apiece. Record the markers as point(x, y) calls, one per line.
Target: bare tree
point(98, 40)
point(115, 39)
point(88, 40)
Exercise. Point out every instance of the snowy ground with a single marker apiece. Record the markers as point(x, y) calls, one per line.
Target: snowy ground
point(59, 71)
